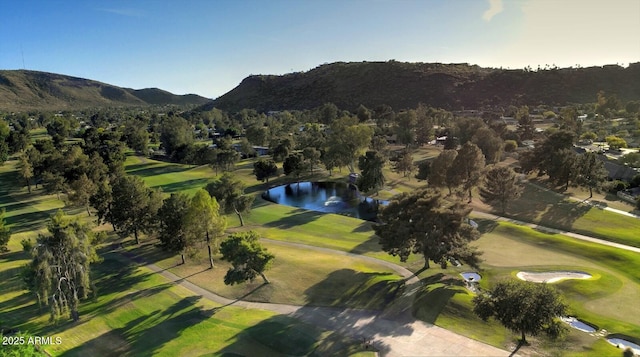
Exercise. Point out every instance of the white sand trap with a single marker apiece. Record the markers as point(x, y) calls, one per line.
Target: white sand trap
point(551, 276)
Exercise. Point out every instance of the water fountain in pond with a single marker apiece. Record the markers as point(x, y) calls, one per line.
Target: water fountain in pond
point(328, 197)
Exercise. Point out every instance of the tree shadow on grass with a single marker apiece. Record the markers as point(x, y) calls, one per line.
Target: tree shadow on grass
point(434, 296)
point(183, 185)
point(563, 214)
point(370, 245)
point(8, 180)
point(288, 336)
point(143, 170)
point(146, 335)
point(531, 203)
point(298, 218)
point(485, 225)
point(346, 287)
point(365, 226)
point(29, 221)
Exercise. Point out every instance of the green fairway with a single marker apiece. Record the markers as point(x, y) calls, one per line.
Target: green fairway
point(138, 312)
point(550, 209)
point(169, 177)
point(321, 279)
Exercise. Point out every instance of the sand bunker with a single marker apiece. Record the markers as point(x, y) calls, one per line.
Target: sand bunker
point(551, 276)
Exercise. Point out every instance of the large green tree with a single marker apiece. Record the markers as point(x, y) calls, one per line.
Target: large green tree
point(468, 167)
point(81, 190)
point(347, 141)
point(524, 307)
point(590, 172)
point(422, 222)
point(372, 177)
point(406, 127)
point(490, 144)
point(264, 168)
point(526, 127)
point(172, 231)
point(204, 221)
point(441, 168)
point(247, 257)
point(404, 164)
point(175, 132)
point(500, 185)
point(60, 266)
point(229, 192)
point(26, 170)
point(134, 206)
point(4, 145)
point(5, 232)
point(294, 165)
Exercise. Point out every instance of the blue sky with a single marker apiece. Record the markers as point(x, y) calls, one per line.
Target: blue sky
point(207, 47)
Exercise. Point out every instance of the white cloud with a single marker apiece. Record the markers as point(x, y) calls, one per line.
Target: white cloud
point(495, 7)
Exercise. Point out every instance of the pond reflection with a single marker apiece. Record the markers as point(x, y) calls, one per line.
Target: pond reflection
point(329, 197)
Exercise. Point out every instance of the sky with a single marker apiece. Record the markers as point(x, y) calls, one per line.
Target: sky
point(207, 47)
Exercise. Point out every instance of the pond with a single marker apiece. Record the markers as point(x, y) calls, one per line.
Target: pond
point(328, 197)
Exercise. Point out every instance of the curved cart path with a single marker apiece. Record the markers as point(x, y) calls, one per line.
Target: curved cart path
point(393, 334)
point(556, 231)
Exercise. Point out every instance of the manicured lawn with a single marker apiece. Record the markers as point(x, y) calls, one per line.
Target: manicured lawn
point(137, 312)
point(323, 230)
point(320, 279)
point(168, 176)
point(553, 210)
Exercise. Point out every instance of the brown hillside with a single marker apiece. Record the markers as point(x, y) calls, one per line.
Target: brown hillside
point(451, 86)
point(32, 90)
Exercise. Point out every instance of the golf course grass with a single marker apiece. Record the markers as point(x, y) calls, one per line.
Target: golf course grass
point(138, 312)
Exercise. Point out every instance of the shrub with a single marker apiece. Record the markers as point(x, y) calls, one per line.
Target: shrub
point(615, 186)
point(510, 145)
point(27, 245)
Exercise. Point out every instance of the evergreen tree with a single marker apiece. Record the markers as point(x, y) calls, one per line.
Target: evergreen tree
point(590, 172)
point(372, 176)
point(134, 206)
point(404, 164)
point(81, 191)
point(440, 172)
point(203, 220)
point(172, 231)
point(293, 165)
point(467, 167)
point(5, 232)
point(500, 185)
point(229, 192)
point(26, 170)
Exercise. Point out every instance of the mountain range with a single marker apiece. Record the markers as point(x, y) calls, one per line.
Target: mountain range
point(450, 86)
point(33, 90)
point(347, 85)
